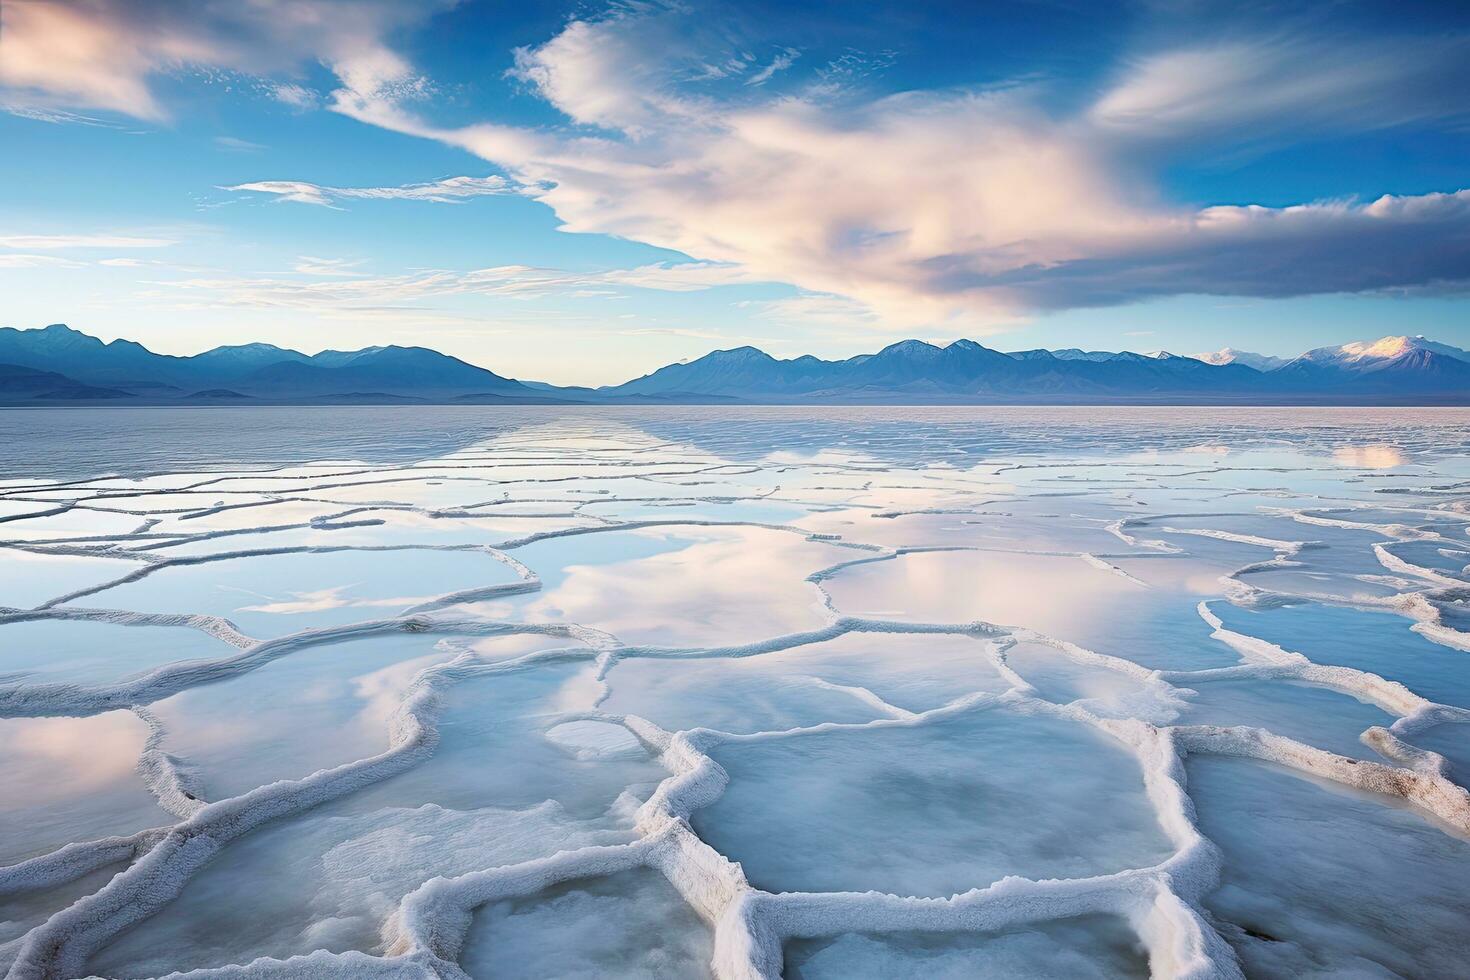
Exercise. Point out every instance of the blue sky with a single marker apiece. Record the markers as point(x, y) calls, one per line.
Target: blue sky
point(580, 192)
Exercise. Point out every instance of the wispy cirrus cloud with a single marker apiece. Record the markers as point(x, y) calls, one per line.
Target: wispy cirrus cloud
point(28, 260)
point(293, 95)
point(311, 265)
point(330, 285)
point(817, 309)
point(1263, 85)
point(56, 117)
point(450, 190)
point(47, 242)
point(237, 145)
point(782, 61)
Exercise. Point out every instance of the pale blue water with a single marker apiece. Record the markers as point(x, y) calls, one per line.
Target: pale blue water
point(64, 443)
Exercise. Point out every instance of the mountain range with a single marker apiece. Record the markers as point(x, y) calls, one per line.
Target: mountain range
point(59, 365)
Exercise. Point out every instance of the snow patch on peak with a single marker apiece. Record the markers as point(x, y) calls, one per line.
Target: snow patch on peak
point(1229, 355)
point(1384, 347)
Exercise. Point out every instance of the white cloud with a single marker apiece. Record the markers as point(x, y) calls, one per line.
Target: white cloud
point(91, 55)
point(339, 288)
point(238, 145)
point(605, 73)
point(23, 260)
point(450, 190)
point(819, 309)
point(105, 54)
point(686, 332)
point(781, 62)
point(1265, 85)
point(56, 117)
point(956, 208)
point(311, 265)
point(47, 242)
point(293, 95)
point(678, 278)
point(1324, 247)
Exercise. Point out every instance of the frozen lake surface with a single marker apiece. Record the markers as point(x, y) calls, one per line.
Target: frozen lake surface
point(734, 692)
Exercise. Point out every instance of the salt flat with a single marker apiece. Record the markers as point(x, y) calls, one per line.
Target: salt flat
point(734, 692)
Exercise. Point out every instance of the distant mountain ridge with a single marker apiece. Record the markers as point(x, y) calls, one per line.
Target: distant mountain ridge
point(57, 364)
point(1394, 370)
point(961, 371)
point(256, 370)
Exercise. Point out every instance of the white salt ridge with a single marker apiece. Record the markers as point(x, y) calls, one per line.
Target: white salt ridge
point(1106, 566)
point(1285, 547)
point(1399, 531)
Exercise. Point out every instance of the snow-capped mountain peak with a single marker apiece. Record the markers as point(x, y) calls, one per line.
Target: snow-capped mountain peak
point(1371, 353)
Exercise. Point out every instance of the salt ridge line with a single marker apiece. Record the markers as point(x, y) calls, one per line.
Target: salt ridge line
point(154, 564)
point(434, 471)
point(165, 539)
point(162, 774)
point(1400, 531)
point(193, 513)
point(76, 700)
point(1417, 606)
point(78, 859)
point(1394, 563)
point(274, 499)
point(1284, 547)
point(1416, 713)
point(1102, 564)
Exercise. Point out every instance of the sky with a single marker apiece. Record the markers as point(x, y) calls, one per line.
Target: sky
point(580, 192)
